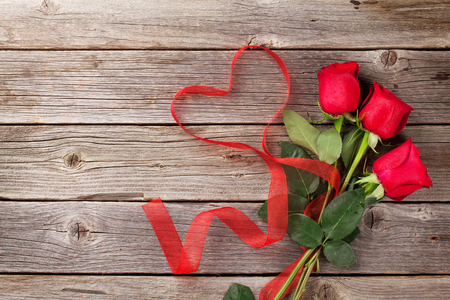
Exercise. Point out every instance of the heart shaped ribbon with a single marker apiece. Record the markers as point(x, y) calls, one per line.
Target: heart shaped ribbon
point(185, 258)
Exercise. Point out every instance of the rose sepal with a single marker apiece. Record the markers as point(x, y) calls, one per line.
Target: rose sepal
point(374, 190)
point(325, 116)
point(373, 141)
point(314, 122)
point(369, 178)
point(328, 116)
point(376, 196)
point(349, 117)
point(358, 121)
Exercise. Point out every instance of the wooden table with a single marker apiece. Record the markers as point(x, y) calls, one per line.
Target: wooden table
point(86, 138)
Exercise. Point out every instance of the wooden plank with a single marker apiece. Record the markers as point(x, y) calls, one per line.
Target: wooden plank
point(137, 87)
point(146, 287)
point(220, 24)
point(116, 238)
point(137, 163)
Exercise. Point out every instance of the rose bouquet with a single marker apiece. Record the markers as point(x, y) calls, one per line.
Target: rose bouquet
point(323, 220)
point(322, 212)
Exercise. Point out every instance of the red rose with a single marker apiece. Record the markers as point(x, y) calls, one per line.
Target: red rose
point(384, 114)
point(401, 172)
point(339, 88)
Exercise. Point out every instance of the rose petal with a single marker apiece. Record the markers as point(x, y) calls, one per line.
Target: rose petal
point(383, 113)
point(393, 158)
point(402, 192)
point(402, 123)
point(339, 90)
point(401, 171)
point(350, 67)
point(411, 171)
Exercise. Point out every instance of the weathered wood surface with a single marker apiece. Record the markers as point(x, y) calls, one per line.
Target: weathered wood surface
point(51, 248)
point(116, 238)
point(222, 24)
point(137, 162)
point(137, 87)
point(144, 287)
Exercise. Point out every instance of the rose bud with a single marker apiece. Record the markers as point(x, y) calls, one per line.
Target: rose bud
point(401, 172)
point(383, 113)
point(339, 90)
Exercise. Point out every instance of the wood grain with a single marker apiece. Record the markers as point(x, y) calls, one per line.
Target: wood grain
point(116, 238)
point(137, 87)
point(221, 24)
point(60, 67)
point(137, 162)
point(183, 287)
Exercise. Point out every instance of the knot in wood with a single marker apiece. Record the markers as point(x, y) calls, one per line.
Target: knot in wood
point(441, 76)
point(435, 238)
point(373, 219)
point(72, 160)
point(388, 58)
point(323, 291)
point(232, 157)
point(49, 7)
point(78, 231)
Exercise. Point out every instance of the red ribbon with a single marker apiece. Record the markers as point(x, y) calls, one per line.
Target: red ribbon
point(185, 258)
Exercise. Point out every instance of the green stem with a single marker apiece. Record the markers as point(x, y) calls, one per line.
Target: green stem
point(300, 280)
point(293, 274)
point(302, 287)
point(300, 283)
point(359, 155)
point(306, 272)
point(338, 124)
point(327, 198)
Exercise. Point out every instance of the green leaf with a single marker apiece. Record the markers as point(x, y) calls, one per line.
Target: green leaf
point(322, 188)
point(352, 236)
point(352, 185)
point(292, 150)
point(343, 214)
point(296, 205)
point(372, 200)
point(339, 253)
point(262, 212)
point(239, 292)
point(329, 145)
point(300, 131)
point(304, 231)
point(350, 145)
point(300, 181)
